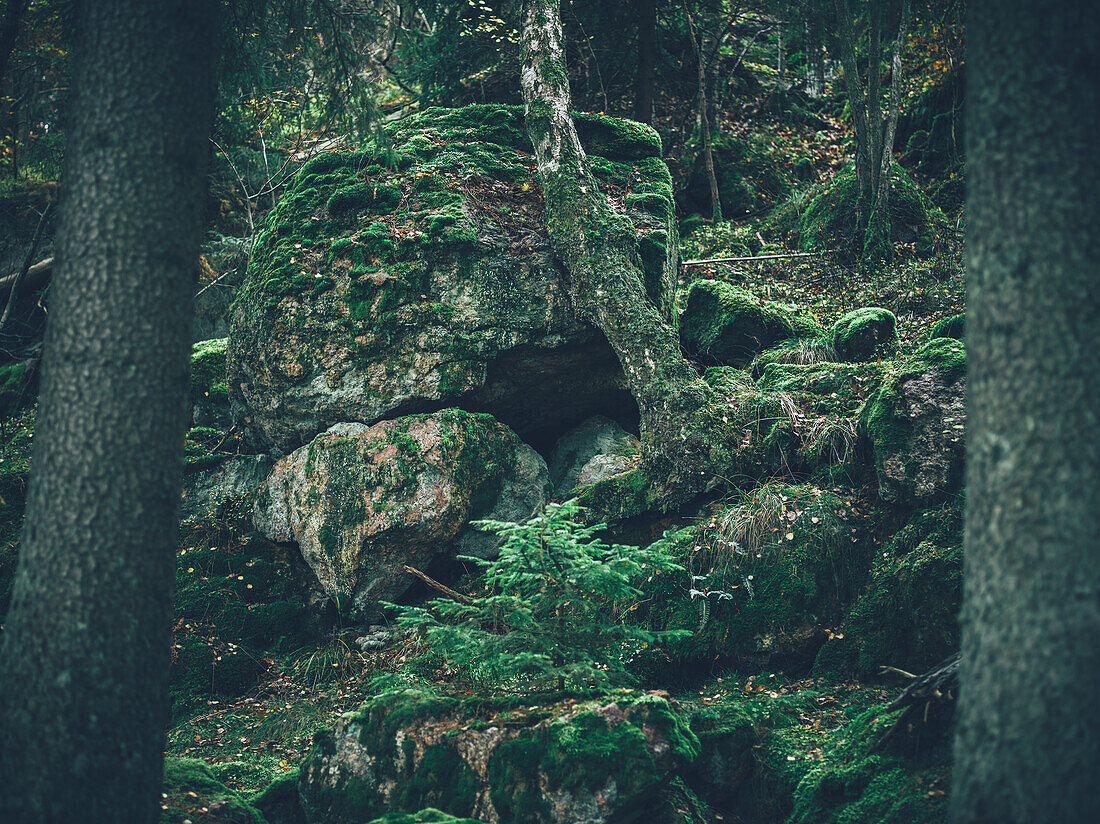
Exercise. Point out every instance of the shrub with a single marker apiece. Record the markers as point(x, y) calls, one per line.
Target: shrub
point(554, 610)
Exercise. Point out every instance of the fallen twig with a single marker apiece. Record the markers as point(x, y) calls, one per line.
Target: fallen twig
point(462, 599)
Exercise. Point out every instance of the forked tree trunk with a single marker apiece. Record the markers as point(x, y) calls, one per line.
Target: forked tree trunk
point(681, 445)
point(702, 117)
point(84, 663)
point(1028, 743)
point(874, 134)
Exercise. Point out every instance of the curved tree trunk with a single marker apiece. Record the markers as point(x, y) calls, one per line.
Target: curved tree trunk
point(84, 664)
point(680, 443)
point(1028, 741)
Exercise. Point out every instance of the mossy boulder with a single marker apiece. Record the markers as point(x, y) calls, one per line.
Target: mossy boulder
point(375, 291)
point(209, 396)
point(907, 614)
point(593, 760)
point(916, 424)
point(361, 502)
point(193, 793)
point(728, 325)
point(822, 218)
point(864, 335)
point(279, 802)
point(428, 816)
point(952, 327)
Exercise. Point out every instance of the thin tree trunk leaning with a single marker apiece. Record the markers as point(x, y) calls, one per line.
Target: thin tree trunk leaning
point(681, 443)
point(890, 128)
point(1028, 742)
point(702, 120)
point(647, 61)
point(13, 288)
point(84, 662)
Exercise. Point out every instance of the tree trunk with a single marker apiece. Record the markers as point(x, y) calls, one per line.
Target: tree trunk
point(1028, 740)
point(647, 60)
point(681, 446)
point(84, 663)
point(702, 119)
point(857, 102)
point(9, 32)
point(815, 58)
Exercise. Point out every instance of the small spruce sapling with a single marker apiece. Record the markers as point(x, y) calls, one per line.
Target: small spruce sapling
point(554, 610)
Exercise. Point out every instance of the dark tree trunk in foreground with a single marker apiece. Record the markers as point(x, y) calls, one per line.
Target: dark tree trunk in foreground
point(680, 443)
point(9, 32)
point(84, 666)
point(1028, 742)
point(647, 61)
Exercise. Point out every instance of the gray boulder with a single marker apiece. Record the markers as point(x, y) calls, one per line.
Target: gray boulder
point(596, 449)
point(362, 502)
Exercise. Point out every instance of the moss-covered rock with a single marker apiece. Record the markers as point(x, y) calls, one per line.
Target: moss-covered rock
point(916, 424)
point(595, 450)
point(952, 327)
point(362, 502)
point(907, 615)
point(428, 816)
point(727, 325)
point(594, 761)
point(192, 793)
point(18, 387)
point(209, 492)
point(209, 396)
point(822, 218)
point(279, 802)
point(770, 573)
point(374, 292)
point(864, 335)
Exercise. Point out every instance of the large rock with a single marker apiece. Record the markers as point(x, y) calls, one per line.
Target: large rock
point(592, 762)
point(589, 453)
point(375, 292)
point(209, 397)
point(865, 334)
point(209, 492)
point(916, 424)
point(362, 502)
point(727, 325)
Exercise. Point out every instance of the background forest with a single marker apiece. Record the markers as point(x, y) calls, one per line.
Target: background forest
point(573, 441)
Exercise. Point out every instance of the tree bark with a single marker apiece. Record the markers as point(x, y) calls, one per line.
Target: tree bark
point(681, 443)
point(84, 663)
point(647, 61)
point(1028, 742)
point(857, 102)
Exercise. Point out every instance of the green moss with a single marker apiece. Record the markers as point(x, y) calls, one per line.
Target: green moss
point(18, 388)
point(823, 217)
point(619, 497)
point(190, 786)
point(856, 782)
point(907, 617)
point(440, 779)
point(278, 801)
point(616, 138)
point(723, 323)
point(865, 334)
point(952, 327)
point(428, 816)
point(380, 199)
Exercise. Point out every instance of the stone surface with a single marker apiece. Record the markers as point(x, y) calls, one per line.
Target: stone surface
point(209, 398)
point(374, 292)
point(916, 424)
point(594, 761)
point(576, 449)
point(208, 492)
point(361, 502)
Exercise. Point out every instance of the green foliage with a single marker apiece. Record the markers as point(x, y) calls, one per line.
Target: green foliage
point(553, 613)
